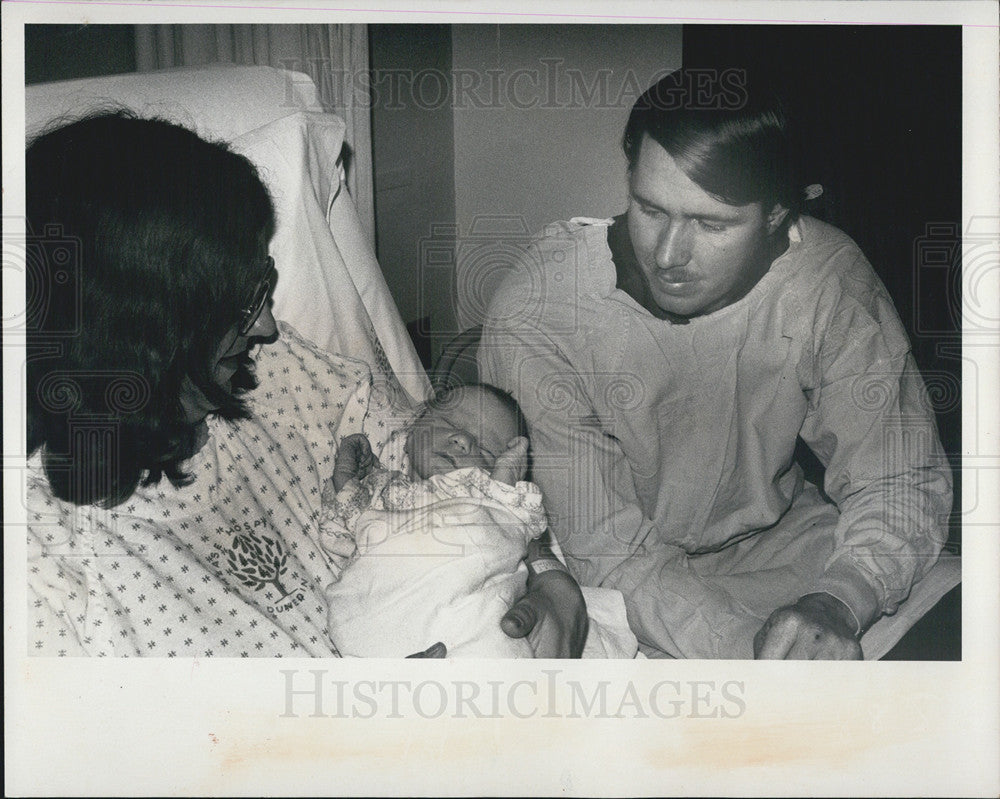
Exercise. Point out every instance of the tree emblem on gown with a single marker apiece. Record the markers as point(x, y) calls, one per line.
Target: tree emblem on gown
point(257, 560)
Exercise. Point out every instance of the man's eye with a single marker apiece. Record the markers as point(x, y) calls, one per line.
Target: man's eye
point(712, 227)
point(644, 208)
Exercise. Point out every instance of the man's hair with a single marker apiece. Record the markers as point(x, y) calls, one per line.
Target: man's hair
point(164, 232)
point(736, 144)
point(444, 396)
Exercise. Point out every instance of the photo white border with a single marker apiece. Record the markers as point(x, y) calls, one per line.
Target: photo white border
point(144, 727)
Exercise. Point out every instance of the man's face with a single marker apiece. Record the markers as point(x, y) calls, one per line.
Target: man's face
point(470, 429)
point(697, 253)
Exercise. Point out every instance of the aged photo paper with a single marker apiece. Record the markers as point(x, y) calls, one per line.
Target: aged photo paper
point(642, 727)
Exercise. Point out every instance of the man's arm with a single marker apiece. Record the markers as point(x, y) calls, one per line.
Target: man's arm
point(870, 424)
point(590, 494)
point(552, 614)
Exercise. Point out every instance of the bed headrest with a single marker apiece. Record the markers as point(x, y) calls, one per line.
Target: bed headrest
point(222, 101)
point(330, 286)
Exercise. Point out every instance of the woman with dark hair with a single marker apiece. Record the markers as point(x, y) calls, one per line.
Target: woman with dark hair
point(154, 288)
point(170, 237)
point(668, 360)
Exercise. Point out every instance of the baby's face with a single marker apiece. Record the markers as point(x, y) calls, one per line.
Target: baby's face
point(469, 428)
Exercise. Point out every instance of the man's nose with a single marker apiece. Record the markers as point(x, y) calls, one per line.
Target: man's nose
point(460, 442)
point(674, 245)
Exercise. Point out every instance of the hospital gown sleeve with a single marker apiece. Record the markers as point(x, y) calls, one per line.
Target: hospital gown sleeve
point(871, 424)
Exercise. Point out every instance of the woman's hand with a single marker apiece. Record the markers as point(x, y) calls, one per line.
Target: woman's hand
point(355, 459)
point(552, 615)
point(437, 650)
point(512, 464)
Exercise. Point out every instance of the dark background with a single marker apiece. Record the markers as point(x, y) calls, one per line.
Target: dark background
point(64, 52)
point(880, 114)
point(879, 109)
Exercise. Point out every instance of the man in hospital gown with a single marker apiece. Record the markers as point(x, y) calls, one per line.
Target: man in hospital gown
point(667, 362)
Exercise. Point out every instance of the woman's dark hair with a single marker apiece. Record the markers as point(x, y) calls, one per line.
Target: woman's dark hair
point(733, 142)
point(144, 243)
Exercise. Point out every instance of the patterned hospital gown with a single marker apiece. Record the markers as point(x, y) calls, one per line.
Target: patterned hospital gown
point(229, 565)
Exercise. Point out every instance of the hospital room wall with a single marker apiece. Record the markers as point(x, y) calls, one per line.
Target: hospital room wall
point(413, 165)
point(530, 135)
point(550, 148)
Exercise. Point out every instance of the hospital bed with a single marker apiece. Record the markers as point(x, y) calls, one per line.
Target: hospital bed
point(331, 288)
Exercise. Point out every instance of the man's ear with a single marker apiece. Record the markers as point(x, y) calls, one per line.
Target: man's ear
point(776, 217)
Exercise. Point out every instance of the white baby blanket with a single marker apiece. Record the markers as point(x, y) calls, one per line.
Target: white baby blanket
point(447, 571)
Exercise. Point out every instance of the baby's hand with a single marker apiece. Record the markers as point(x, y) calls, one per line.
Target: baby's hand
point(512, 464)
point(355, 459)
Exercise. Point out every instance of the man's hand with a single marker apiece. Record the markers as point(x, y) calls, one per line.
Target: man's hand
point(355, 459)
point(512, 464)
point(817, 627)
point(552, 615)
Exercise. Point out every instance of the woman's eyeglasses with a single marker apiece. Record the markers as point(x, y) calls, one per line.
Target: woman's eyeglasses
point(261, 294)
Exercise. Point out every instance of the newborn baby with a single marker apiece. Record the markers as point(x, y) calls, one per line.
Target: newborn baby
point(434, 555)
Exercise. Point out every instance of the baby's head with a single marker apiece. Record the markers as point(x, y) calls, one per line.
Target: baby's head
point(461, 427)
